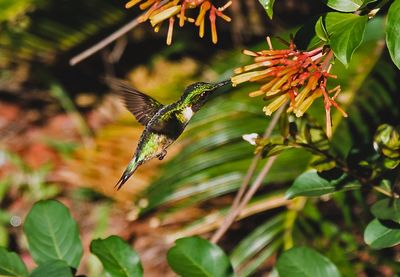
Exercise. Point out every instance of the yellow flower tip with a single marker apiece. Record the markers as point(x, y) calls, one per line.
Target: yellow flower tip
point(201, 29)
point(214, 35)
point(165, 14)
point(182, 16)
point(203, 9)
point(298, 113)
point(228, 4)
point(170, 30)
point(225, 17)
point(241, 78)
point(146, 4)
point(238, 70)
point(256, 93)
point(131, 3)
point(249, 53)
point(267, 111)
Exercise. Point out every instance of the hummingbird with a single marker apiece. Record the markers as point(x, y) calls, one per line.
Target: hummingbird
point(163, 123)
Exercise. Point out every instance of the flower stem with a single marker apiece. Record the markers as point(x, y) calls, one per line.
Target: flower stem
point(241, 198)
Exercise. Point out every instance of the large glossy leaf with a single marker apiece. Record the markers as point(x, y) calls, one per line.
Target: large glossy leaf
point(52, 234)
point(11, 264)
point(305, 262)
point(345, 33)
point(197, 257)
point(311, 184)
point(387, 209)
point(344, 5)
point(392, 32)
point(117, 257)
point(377, 235)
point(52, 268)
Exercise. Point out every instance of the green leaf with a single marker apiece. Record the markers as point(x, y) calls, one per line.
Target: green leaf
point(305, 262)
point(268, 5)
point(11, 264)
point(393, 31)
point(197, 257)
point(311, 184)
point(344, 5)
point(52, 268)
point(117, 257)
point(320, 29)
point(387, 141)
point(53, 234)
point(387, 209)
point(345, 32)
point(379, 236)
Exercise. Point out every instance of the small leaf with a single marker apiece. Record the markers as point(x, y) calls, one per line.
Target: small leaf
point(268, 5)
point(53, 234)
point(11, 264)
point(387, 209)
point(393, 31)
point(379, 236)
point(387, 141)
point(346, 32)
point(344, 5)
point(117, 257)
point(320, 29)
point(52, 268)
point(305, 262)
point(311, 184)
point(197, 257)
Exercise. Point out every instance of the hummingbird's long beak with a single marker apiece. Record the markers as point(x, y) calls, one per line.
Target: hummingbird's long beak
point(223, 83)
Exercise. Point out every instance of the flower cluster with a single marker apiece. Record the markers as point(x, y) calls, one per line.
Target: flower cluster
point(291, 75)
point(158, 11)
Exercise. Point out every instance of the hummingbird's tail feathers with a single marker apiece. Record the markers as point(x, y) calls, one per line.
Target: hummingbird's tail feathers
point(127, 174)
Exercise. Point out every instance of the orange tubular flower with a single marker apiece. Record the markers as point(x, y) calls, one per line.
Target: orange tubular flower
point(291, 75)
point(160, 10)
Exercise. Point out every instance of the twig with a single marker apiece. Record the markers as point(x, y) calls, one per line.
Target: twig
point(103, 43)
point(237, 204)
point(225, 226)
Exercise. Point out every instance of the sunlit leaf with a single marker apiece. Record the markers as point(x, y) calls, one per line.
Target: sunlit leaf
point(197, 257)
point(52, 268)
point(392, 32)
point(387, 141)
point(344, 5)
point(387, 209)
point(11, 264)
point(345, 31)
point(52, 234)
point(311, 184)
point(378, 235)
point(305, 262)
point(117, 257)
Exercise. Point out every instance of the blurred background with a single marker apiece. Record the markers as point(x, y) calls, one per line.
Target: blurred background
point(65, 135)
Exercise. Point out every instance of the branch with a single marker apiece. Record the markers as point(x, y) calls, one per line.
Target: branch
point(240, 202)
point(103, 43)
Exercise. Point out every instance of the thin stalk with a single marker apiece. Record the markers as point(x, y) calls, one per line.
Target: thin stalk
point(241, 200)
point(114, 36)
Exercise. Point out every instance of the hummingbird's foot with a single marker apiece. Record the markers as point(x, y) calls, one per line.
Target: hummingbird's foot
point(162, 155)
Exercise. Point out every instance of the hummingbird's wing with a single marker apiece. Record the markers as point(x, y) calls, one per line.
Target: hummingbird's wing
point(142, 106)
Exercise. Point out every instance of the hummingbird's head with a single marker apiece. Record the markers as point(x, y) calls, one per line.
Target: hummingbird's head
point(196, 94)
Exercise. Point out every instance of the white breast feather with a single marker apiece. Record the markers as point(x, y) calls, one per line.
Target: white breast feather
point(188, 113)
